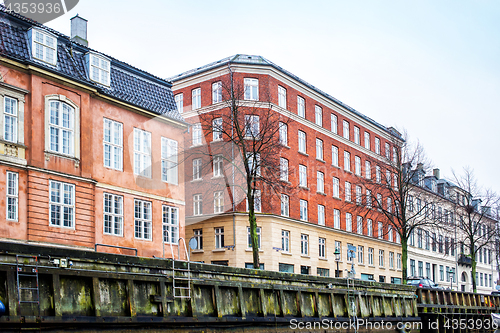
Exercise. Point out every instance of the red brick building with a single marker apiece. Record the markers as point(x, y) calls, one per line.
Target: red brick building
point(328, 151)
point(88, 145)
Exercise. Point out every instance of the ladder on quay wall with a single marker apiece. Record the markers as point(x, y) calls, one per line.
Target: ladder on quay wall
point(181, 277)
point(28, 273)
point(351, 299)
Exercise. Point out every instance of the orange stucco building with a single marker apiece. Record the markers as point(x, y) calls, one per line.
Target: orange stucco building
point(88, 146)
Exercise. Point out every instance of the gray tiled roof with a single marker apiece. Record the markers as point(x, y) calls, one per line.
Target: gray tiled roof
point(259, 60)
point(128, 84)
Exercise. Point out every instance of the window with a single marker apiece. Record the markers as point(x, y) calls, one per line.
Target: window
point(302, 142)
point(440, 244)
point(358, 195)
point(197, 205)
point(427, 270)
point(43, 46)
point(360, 254)
point(377, 146)
point(62, 128)
point(286, 268)
point(179, 102)
point(338, 245)
point(319, 149)
point(336, 189)
point(113, 144)
point(441, 273)
point(142, 219)
point(218, 202)
point(219, 238)
point(218, 165)
point(253, 161)
point(10, 119)
point(113, 214)
point(347, 191)
point(302, 175)
point(283, 133)
point(303, 210)
point(62, 204)
point(217, 129)
point(420, 268)
point(170, 224)
point(394, 155)
point(304, 244)
point(412, 268)
point(334, 123)
point(370, 256)
point(391, 259)
point(252, 126)
point(257, 202)
point(347, 161)
point(216, 92)
point(305, 270)
point(323, 272)
point(335, 156)
point(336, 219)
point(368, 199)
point(318, 115)
point(369, 227)
point(249, 238)
point(251, 89)
point(381, 258)
point(285, 205)
point(142, 153)
point(321, 215)
point(379, 201)
point(348, 222)
point(198, 235)
point(356, 135)
point(320, 187)
point(427, 240)
point(283, 169)
point(12, 193)
point(301, 107)
point(367, 140)
point(196, 135)
point(322, 247)
point(197, 169)
point(387, 151)
point(368, 170)
point(285, 241)
point(389, 205)
point(357, 165)
point(388, 177)
point(196, 98)
point(378, 176)
point(398, 261)
point(169, 161)
point(390, 233)
point(99, 69)
point(346, 129)
point(359, 225)
point(282, 97)
point(380, 230)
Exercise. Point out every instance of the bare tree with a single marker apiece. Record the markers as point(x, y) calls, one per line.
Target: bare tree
point(396, 190)
point(475, 220)
point(244, 134)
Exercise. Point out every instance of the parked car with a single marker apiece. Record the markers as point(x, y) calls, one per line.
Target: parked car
point(495, 293)
point(422, 283)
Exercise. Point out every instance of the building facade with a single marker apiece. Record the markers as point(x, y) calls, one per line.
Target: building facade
point(88, 146)
point(325, 153)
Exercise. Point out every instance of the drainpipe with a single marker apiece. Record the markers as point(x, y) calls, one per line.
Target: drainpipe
point(232, 155)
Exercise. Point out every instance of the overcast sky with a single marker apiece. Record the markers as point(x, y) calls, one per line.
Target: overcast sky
point(428, 67)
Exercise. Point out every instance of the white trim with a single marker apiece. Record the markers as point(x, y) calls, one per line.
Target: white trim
point(140, 194)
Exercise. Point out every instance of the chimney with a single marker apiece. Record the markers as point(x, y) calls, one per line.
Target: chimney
point(436, 173)
point(420, 166)
point(79, 30)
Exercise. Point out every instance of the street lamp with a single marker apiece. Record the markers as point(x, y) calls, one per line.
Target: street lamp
point(337, 259)
point(450, 274)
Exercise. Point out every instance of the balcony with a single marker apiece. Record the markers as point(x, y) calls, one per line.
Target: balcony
point(465, 260)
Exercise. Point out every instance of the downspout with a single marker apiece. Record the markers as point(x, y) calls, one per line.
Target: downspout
point(232, 154)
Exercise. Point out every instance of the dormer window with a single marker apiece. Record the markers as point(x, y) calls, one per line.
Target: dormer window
point(43, 46)
point(99, 69)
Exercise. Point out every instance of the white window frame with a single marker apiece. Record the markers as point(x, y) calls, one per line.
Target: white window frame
point(251, 89)
point(359, 196)
point(390, 234)
point(170, 224)
point(320, 182)
point(334, 123)
point(10, 132)
point(347, 191)
point(357, 165)
point(369, 227)
point(285, 241)
point(99, 69)
point(113, 144)
point(348, 222)
point(318, 115)
point(249, 240)
point(302, 138)
point(356, 135)
point(283, 134)
point(368, 199)
point(217, 129)
point(62, 205)
point(302, 175)
point(283, 169)
point(169, 161)
point(198, 235)
point(391, 260)
point(197, 205)
point(367, 140)
point(282, 97)
point(219, 238)
point(301, 107)
point(285, 205)
point(12, 196)
point(143, 225)
point(370, 256)
point(304, 244)
point(218, 166)
point(345, 127)
point(47, 46)
point(336, 187)
point(380, 230)
point(216, 92)
point(359, 225)
point(179, 102)
point(252, 126)
point(218, 202)
point(378, 174)
point(196, 98)
point(56, 129)
point(142, 153)
point(368, 170)
point(377, 146)
point(347, 161)
point(322, 248)
point(360, 254)
point(381, 258)
point(336, 219)
point(253, 161)
point(321, 215)
point(303, 210)
point(398, 260)
point(335, 156)
point(197, 167)
point(112, 214)
point(387, 151)
point(197, 135)
point(319, 149)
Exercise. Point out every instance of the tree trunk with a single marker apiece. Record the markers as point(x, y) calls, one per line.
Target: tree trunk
point(404, 258)
point(474, 282)
point(253, 234)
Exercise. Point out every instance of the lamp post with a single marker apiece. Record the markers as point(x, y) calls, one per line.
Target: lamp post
point(337, 259)
point(450, 274)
